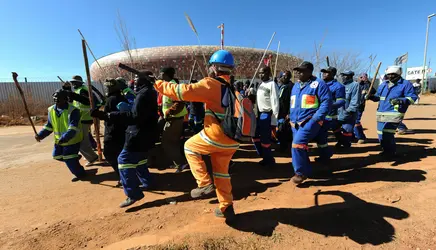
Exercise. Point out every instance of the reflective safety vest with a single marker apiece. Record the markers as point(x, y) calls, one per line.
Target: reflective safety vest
point(168, 103)
point(61, 125)
point(85, 110)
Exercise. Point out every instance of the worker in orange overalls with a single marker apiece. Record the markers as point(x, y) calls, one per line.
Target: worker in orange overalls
point(211, 140)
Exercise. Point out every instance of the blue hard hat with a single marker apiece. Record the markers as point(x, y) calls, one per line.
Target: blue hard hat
point(222, 57)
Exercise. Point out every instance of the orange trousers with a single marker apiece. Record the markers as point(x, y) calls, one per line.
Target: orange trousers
point(220, 155)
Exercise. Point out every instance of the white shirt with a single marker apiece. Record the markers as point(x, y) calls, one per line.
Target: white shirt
point(268, 99)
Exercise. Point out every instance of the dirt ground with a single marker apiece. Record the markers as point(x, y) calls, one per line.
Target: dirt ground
point(364, 203)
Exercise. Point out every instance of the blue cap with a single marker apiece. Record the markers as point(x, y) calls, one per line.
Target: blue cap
point(222, 57)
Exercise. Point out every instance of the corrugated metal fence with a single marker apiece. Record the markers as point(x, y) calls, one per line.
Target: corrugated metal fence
point(40, 92)
point(38, 97)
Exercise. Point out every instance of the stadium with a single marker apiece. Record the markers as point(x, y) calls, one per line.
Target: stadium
point(182, 59)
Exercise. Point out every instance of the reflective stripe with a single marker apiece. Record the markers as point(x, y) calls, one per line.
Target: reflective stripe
point(190, 152)
point(396, 114)
point(132, 165)
point(198, 122)
point(255, 140)
point(265, 145)
point(58, 157)
point(347, 134)
point(300, 146)
point(67, 157)
point(382, 98)
point(47, 128)
point(390, 131)
point(332, 117)
point(179, 92)
point(74, 128)
point(340, 99)
point(411, 100)
point(323, 145)
point(217, 144)
point(309, 102)
point(221, 175)
point(220, 115)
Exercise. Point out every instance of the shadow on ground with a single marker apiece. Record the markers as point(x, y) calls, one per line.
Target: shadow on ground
point(361, 221)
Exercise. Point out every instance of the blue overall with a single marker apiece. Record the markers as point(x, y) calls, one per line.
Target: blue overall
point(262, 138)
point(331, 122)
point(133, 172)
point(68, 154)
point(348, 113)
point(390, 116)
point(358, 129)
point(310, 103)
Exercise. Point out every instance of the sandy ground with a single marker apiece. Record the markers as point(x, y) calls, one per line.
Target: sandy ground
point(365, 203)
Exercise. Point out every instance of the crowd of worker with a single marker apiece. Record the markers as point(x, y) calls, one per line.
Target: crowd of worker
point(152, 109)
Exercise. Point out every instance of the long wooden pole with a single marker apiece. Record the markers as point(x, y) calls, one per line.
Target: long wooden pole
point(277, 60)
point(91, 99)
point(373, 79)
point(261, 59)
point(192, 72)
point(15, 77)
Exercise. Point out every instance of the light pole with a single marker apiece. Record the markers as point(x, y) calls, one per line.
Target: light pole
point(424, 73)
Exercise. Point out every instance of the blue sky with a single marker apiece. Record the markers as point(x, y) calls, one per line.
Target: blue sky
point(39, 39)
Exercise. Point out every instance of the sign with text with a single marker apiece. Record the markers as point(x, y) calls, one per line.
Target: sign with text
point(416, 72)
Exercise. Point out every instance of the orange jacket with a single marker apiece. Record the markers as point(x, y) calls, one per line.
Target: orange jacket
point(207, 91)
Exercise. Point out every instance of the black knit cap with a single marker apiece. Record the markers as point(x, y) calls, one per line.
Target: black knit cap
point(168, 70)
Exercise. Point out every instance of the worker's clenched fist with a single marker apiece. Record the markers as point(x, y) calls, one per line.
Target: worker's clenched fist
point(99, 114)
point(37, 138)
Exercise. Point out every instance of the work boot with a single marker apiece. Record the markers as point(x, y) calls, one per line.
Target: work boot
point(361, 141)
point(228, 214)
point(128, 202)
point(402, 132)
point(298, 179)
point(202, 191)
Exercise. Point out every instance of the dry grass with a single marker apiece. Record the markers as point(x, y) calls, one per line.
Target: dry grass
point(12, 111)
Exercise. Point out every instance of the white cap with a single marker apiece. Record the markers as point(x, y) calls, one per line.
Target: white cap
point(394, 70)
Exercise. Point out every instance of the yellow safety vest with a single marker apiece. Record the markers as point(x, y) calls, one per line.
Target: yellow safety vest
point(168, 103)
point(61, 125)
point(85, 110)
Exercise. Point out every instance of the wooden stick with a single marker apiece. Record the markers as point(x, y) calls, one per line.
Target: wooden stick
point(91, 100)
point(87, 45)
point(373, 80)
point(61, 79)
point(277, 60)
point(15, 77)
point(192, 72)
point(261, 60)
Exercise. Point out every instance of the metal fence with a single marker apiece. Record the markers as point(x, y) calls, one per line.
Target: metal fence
point(40, 92)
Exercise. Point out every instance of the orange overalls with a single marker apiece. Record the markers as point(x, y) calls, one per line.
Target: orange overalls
point(211, 140)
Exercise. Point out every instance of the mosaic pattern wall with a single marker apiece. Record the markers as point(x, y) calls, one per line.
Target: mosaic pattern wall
point(182, 58)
